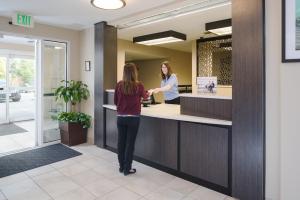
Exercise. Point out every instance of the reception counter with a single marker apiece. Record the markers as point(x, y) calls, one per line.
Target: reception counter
point(191, 147)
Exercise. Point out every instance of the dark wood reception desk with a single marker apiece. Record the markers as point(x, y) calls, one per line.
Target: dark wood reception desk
point(194, 148)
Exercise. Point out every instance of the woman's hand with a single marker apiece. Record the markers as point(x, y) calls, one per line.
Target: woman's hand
point(156, 90)
point(150, 92)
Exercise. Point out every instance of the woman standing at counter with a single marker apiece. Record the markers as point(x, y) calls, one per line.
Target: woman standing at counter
point(128, 94)
point(169, 85)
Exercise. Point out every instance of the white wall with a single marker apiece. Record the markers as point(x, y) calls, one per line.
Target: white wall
point(87, 54)
point(282, 114)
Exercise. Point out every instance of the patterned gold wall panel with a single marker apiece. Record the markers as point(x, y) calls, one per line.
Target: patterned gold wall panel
point(215, 59)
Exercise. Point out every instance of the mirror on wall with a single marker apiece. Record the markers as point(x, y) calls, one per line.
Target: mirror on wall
point(214, 58)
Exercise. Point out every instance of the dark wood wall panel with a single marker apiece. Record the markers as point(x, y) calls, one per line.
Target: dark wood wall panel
point(206, 107)
point(204, 152)
point(110, 98)
point(111, 129)
point(105, 66)
point(248, 131)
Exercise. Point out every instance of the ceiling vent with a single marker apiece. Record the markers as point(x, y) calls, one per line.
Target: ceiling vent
point(185, 10)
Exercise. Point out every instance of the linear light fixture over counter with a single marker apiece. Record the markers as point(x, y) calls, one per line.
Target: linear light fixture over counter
point(222, 27)
point(160, 38)
point(108, 4)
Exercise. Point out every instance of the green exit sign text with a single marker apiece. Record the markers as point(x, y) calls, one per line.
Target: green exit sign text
point(23, 20)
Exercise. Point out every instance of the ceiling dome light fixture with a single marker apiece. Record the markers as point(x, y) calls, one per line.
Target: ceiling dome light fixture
point(108, 4)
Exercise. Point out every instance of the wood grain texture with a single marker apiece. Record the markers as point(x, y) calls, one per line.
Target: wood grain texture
point(111, 129)
point(206, 107)
point(204, 152)
point(157, 141)
point(248, 131)
point(105, 66)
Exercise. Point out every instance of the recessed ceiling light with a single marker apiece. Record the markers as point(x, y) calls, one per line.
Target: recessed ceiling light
point(108, 4)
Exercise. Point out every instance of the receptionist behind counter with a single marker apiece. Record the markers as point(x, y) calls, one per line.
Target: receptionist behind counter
point(169, 85)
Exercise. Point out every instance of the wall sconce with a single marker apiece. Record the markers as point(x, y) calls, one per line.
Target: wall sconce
point(160, 38)
point(222, 27)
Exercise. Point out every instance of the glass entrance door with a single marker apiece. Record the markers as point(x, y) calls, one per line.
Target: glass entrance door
point(54, 65)
point(3, 90)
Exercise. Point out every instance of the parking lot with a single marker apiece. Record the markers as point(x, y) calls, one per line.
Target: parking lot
point(21, 110)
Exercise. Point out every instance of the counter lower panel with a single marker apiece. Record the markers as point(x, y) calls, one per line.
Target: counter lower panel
point(193, 151)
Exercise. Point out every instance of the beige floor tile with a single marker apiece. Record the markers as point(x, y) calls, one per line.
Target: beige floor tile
point(86, 177)
point(24, 190)
point(72, 169)
point(40, 171)
point(2, 197)
point(141, 186)
point(102, 187)
point(230, 198)
point(93, 162)
point(122, 194)
point(202, 193)
point(63, 163)
point(55, 183)
point(160, 178)
point(182, 186)
point(165, 194)
point(80, 194)
point(107, 171)
point(13, 179)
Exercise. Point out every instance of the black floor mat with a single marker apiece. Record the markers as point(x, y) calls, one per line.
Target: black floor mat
point(19, 162)
point(8, 129)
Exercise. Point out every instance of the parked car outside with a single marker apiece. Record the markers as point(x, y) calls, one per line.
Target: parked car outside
point(14, 95)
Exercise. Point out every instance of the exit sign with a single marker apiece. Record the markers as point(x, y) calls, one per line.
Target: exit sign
point(21, 19)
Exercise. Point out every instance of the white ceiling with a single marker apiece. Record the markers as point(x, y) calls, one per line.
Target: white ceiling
point(80, 14)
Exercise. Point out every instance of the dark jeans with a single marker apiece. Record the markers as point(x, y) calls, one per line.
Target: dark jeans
point(173, 101)
point(127, 131)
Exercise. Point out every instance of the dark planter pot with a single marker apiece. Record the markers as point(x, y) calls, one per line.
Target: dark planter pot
point(72, 133)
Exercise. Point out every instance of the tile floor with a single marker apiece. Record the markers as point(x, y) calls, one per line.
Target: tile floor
point(15, 142)
point(94, 176)
point(20, 141)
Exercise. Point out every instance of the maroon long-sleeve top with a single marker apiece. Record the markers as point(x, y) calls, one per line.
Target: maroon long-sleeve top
point(129, 104)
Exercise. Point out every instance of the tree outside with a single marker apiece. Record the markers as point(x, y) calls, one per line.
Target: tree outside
point(22, 72)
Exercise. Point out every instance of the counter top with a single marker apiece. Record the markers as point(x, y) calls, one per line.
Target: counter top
point(169, 111)
point(208, 95)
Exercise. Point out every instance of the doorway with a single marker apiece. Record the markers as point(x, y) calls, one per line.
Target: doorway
point(30, 70)
point(17, 93)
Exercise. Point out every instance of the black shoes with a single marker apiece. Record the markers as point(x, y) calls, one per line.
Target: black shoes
point(131, 171)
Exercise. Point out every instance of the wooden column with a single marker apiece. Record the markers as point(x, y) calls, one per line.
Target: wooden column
point(248, 102)
point(105, 73)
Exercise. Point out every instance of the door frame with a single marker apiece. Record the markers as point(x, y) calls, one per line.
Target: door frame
point(40, 44)
point(38, 116)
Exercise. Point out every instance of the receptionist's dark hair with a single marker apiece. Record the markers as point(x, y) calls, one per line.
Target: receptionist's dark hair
point(167, 64)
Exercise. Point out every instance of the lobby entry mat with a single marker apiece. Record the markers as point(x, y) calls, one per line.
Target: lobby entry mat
point(20, 162)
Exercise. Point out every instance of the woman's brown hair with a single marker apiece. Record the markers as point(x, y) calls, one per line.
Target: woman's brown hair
point(129, 78)
point(167, 64)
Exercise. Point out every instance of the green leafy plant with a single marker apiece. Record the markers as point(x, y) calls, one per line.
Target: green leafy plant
point(73, 92)
point(75, 117)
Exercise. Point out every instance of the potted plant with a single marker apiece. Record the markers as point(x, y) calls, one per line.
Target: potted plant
point(73, 125)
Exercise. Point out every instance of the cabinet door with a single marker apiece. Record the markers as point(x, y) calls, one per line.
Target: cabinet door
point(204, 152)
point(157, 141)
